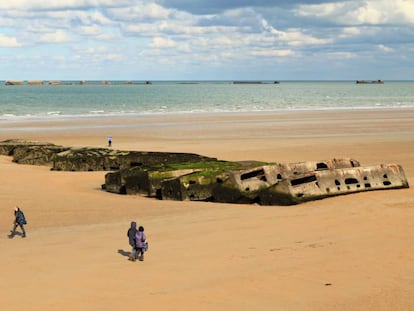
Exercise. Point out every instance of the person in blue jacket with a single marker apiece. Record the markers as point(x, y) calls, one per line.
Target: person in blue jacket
point(132, 240)
point(19, 220)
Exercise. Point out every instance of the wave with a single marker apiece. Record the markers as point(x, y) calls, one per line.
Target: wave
point(79, 101)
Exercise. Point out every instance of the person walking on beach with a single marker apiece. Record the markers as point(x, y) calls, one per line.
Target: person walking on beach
point(141, 243)
point(132, 240)
point(19, 220)
point(109, 141)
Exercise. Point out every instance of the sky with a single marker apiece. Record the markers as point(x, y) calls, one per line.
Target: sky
point(206, 40)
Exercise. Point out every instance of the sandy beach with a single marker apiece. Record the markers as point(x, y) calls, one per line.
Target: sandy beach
point(352, 252)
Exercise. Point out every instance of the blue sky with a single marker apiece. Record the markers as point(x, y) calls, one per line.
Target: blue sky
point(206, 39)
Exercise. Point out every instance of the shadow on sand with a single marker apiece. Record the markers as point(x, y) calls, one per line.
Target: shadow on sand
point(124, 253)
point(10, 236)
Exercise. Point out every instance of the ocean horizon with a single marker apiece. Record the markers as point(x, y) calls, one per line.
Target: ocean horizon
point(105, 98)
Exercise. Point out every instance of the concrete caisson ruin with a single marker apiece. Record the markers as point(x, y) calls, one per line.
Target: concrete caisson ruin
point(31, 152)
point(140, 181)
point(245, 186)
point(105, 159)
point(186, 176)
point(326, 183)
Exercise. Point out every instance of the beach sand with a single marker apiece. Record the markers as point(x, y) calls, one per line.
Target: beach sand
point(352, 252)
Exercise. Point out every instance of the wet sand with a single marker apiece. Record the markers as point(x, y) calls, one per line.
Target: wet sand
point(352, 252)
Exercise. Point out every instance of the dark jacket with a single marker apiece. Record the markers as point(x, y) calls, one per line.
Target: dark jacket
point(131, 233)
point(19, 217)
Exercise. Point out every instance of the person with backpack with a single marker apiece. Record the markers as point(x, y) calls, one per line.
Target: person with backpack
point(141, 243)
point(131, 234)
point(19, 220)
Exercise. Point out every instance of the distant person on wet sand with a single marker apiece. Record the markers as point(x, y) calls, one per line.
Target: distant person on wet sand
point(109, 141)
point(141, 243)
point(132, 240)
point(19, 220)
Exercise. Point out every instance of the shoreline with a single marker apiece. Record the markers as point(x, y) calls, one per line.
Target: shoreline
point(118, 120)
point(57, 117)
point(199, 134)
point(12, 119)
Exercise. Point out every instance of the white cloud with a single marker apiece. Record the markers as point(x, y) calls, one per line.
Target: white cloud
point(97, 53)
point(59, 58)
point(55, 37)
point(272, 53)
point(386, 12)
point(107, 36)
point(321, 10)
point(340, 55)
point(226, 41)
point(113, 57)
point(384, 48)
point(7, 41)
point(294, 37)
point(60, 4)
point(147, 32)
point(361, 12)
point(92, 30)
point(159, 43)
point(144, 29)
point(297, 38)
point(350, 32)
point(141, 12)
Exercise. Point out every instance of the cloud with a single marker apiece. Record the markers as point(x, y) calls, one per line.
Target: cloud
point(61, 4)
point(384, 48)
point(7, 41)
point(294, 37)
point(340, 55)
point(96, 54)
point(272, 53)
point(140, 12)
point(347, 32)
point(373, 12)
point(55, 37)
point(160, 35)
point(160, 43)
point(219, 6)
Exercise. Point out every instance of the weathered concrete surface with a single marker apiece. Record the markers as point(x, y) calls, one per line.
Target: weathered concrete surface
point(199, 186)
point(151, 180)
point(36, 155)
point(7, 146)
point(30, 152)
point(321, 184)
point(194, 187)
point(15, 82)
point(140, 181)
point(90, 159)
point(87, 159)
point(104, 159)
point(245, 186)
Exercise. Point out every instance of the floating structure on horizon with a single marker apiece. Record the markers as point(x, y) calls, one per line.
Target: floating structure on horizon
point(81, 82)
point(369, 82)
point(254, 82)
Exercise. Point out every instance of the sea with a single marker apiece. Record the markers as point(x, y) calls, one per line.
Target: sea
point(75, 99)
